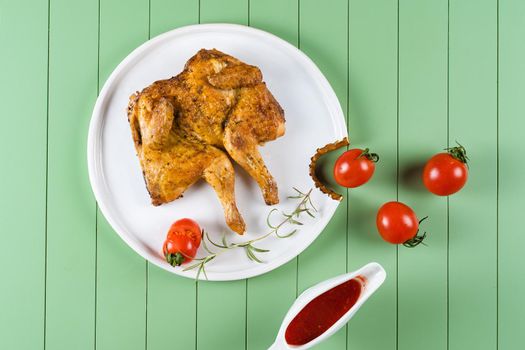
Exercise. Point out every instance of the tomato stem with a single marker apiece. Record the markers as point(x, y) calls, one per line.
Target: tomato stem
point(459, 152)
point(374, 157)
point(175, 259)
point(417, 239)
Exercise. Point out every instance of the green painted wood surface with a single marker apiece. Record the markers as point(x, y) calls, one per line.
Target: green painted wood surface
point(372, 122)
point(511, 192)
point(23, 186)
point(473, 101)
point(422, 121)
point(121, 275)
point(412, 77)
point(71, 226)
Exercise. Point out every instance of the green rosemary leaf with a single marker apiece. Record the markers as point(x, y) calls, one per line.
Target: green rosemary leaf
point(191, 267)
point(310, 213)
point(301, 193)
point(224, 242)
point(294, 197)
point(286, 235)
point(289, 216)
point(199, 272)
point(248, 253)
point(204, 271)
point(260, 250)
point(295, 222)
point(214, 243)
point(251, 255)
point(268, 218)
point(206, 246)
point(309, 199)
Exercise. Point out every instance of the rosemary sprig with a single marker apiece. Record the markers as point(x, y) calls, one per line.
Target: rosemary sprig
point(305, 206)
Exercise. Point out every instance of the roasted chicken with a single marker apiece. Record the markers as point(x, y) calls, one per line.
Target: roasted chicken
point(185, 127)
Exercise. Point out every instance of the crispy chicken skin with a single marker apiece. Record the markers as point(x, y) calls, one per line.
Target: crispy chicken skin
point(184, 127)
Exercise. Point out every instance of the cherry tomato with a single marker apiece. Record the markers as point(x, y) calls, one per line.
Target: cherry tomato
point(182, 241)
point(355, 167)
point(397, 223)
point(446, 173)
point(187, 227)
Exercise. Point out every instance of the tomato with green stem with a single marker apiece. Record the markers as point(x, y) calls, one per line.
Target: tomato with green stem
point(446, 173)
point(355, 167)
point(182, 242)
point(397, 223)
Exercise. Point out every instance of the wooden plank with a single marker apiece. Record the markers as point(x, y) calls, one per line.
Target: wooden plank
point(326, 257)
point(472, 101)
point(277, 288)
point(373, 78)
point(422, 275)
point(220, 301)
point(23, 175)
point(71, 207)
point(226, 11)
point(171, 299)
point(221, 315)
point(279, 17)
point(171, 14)
point(121, 293)
point(511, 174)
point(121, 273)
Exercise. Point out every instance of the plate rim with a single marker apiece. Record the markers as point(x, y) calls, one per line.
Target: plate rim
point(96, 124)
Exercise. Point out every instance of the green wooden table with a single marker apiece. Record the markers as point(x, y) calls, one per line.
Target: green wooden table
point(412, 76)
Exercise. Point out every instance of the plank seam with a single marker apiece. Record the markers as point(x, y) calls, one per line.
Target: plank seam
point(149, 19)
point(448, 197)
point(497, 174)
point(348, 125)
point(397, 174)
point(96, 204)
point(96, 278)
point(47, 173)
point(246, 315)
point(146, 308)
point(196, 310)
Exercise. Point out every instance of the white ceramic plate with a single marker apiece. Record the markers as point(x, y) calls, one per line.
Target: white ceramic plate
point(313, 119)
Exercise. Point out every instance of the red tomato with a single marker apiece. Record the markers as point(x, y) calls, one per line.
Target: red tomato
point(355, 167)
point(187, 227)
point(446, 173)
point(182, 242)
point(397, 223)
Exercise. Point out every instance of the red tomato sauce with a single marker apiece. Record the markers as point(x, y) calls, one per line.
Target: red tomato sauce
point(322, 312)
